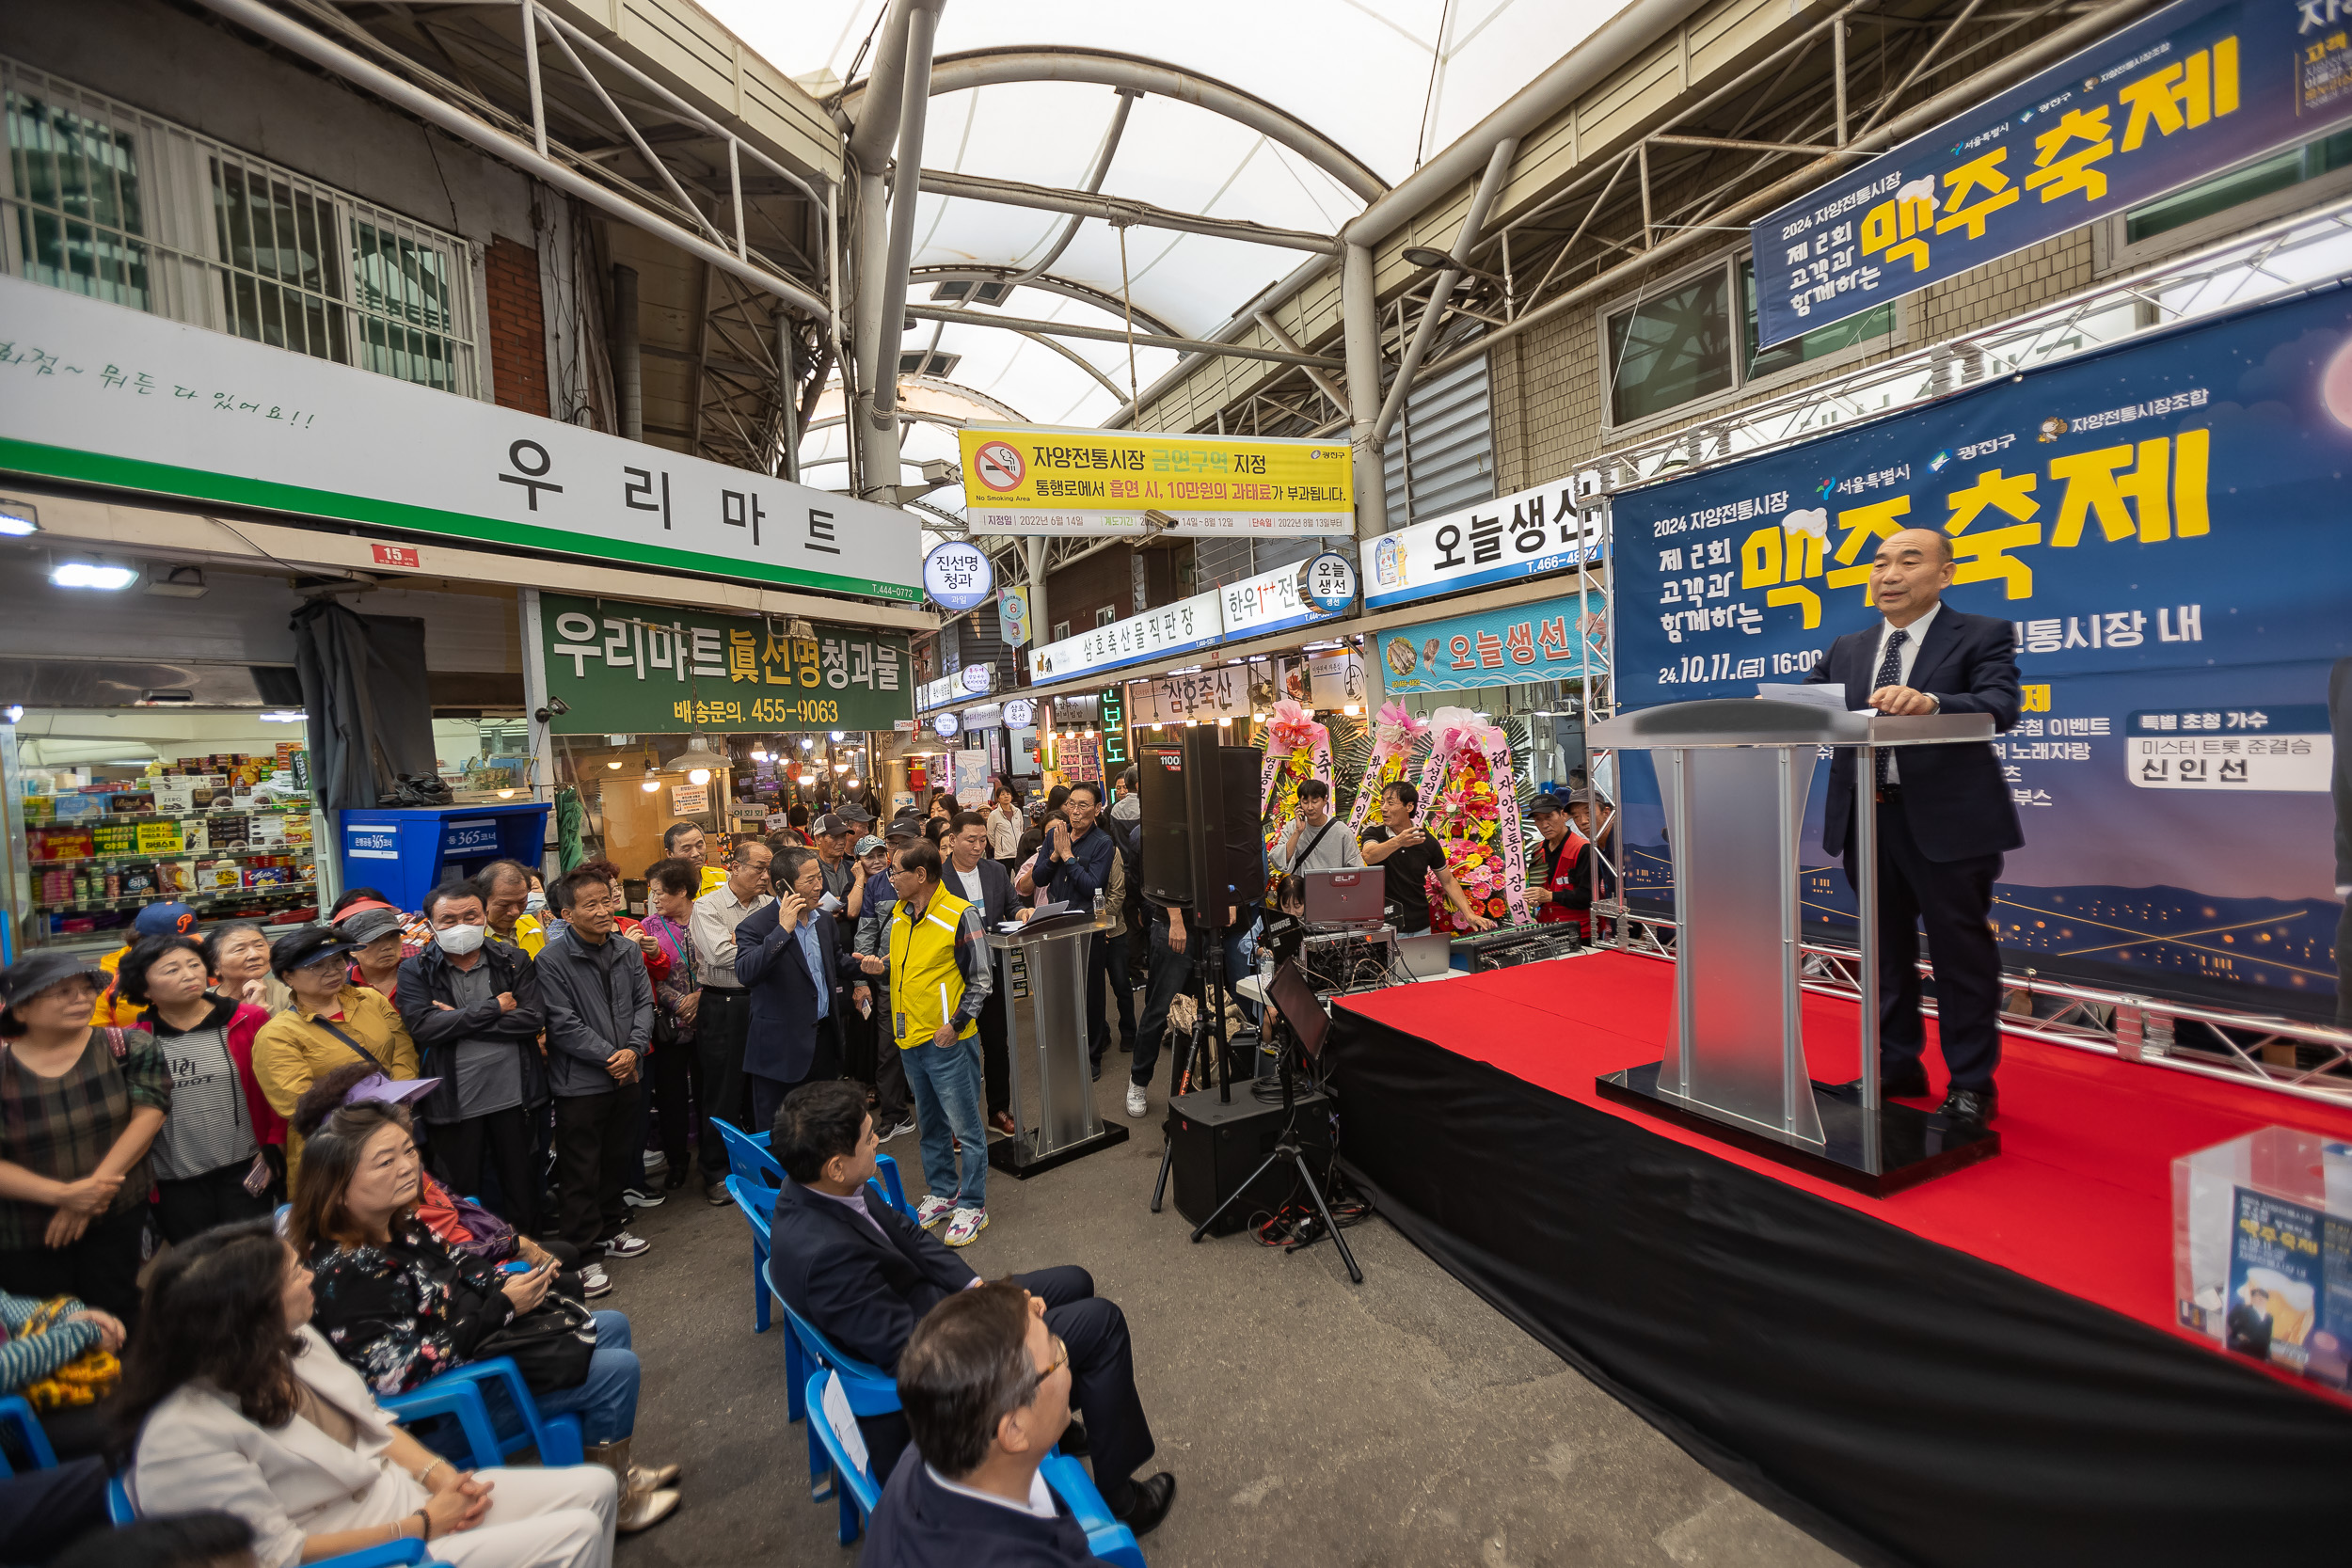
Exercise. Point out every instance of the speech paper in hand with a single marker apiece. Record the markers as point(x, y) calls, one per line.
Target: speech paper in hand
point(1825, 694)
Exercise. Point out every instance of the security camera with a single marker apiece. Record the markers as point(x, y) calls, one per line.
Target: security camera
point(555, 706)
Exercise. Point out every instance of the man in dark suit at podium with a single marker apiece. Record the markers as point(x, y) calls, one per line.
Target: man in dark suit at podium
point(1945, 816)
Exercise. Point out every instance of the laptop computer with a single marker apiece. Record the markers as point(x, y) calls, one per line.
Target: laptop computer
point(1355, 896)
point(1427, 956)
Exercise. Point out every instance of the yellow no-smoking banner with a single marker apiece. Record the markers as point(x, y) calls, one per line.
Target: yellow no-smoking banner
point(1028, 480)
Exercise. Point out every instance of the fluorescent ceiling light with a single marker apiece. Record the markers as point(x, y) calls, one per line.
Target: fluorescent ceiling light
point(286, 716)
point(82, 573)
point(16, 525)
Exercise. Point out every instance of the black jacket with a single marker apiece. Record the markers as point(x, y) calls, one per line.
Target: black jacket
point(920, 1524)
point(998, 899)
point(1956, 797)
point(781, 1039)
point(863, 1291)
point(598, 1000)
point(426, 978)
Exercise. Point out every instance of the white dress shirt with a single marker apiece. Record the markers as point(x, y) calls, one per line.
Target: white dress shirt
point(1906, 657)
point(717, 913)
point(1041, 1504)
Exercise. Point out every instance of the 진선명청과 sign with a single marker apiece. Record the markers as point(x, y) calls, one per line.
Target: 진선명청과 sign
point(1052, 481)
point(2196, 87)
point(657, 669)
point(98, 394)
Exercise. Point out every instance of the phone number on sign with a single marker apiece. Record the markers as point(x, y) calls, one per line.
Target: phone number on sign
point(770, 710)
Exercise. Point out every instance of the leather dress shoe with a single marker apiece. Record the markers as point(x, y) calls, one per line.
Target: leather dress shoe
point(1897, 1083)
point(1140, 1505)
point(1975, 1106)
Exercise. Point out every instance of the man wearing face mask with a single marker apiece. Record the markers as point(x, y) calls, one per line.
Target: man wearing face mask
point(473, 1006)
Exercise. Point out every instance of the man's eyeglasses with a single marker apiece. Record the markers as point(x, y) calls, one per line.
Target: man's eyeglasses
point(1038, 1376)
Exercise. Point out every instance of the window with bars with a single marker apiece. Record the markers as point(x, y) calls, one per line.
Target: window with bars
point(123, 206)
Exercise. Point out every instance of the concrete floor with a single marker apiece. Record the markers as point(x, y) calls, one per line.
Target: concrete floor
point(1309, 1422)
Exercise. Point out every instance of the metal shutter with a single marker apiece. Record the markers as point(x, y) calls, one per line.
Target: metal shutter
point(1445, 441)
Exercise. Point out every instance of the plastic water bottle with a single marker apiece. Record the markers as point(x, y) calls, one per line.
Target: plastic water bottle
point(1099, 905)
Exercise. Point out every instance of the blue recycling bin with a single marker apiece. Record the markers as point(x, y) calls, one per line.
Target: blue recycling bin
point(408, 852)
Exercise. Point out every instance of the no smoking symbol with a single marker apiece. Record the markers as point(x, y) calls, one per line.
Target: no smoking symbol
point(999, 464)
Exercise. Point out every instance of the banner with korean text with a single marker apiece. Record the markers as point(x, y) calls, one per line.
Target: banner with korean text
point(2196, 87)
point(624, 669)
point(2167, 524)
point(96, 393)
point(1070, 481)
point(1530, 534)
point(1546, 641)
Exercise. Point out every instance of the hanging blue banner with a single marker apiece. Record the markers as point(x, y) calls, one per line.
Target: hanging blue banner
point(2168, 525)
point(2192, 90)
point(1495, 647)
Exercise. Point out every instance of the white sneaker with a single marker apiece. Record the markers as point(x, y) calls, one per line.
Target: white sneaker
point(967, 1224)
point(931, 1210)
point(594, 1281)
point(1139, 1102)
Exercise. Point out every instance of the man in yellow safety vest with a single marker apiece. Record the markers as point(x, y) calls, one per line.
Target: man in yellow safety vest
point(940, 980)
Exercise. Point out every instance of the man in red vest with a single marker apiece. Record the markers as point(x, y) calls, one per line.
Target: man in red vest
point(1560, 876)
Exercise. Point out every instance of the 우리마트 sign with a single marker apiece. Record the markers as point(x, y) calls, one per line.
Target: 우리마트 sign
point(2197, 86)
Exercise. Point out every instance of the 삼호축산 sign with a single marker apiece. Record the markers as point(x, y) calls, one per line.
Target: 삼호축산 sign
point(1026, 479)
point(100, 394)
point(2196, 87)
point(657, 669)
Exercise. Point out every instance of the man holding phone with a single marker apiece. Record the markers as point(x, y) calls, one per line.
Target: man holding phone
point(1410, 858)
point(793, 965)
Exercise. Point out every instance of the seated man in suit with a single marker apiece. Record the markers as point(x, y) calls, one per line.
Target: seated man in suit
point(1944, 813)
point(865, 1276)
point(987, 1388)
point(792, 959)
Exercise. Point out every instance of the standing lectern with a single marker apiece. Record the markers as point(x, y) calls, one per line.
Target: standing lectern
point(1733, 774)
point(1050, 1056)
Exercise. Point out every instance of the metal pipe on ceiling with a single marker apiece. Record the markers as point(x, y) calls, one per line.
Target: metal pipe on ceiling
point(1092, 182)
point(1112, 209)
point(913, 107)
point(291, 35)
point(1109, 334)
point(1465, 240)
point(628, 373)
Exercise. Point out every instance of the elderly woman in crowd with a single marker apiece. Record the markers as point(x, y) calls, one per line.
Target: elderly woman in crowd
point(208, 1161)
point(237, 953)
point(332, 1022)
point(80, 1105)
point(400, 1305)
point(237, 1404)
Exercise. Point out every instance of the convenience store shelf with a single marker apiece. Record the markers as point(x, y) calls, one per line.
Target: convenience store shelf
point(143, 857)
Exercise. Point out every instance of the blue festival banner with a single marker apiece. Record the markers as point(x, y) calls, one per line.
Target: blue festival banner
point(2169, 525)
point(2197, 86)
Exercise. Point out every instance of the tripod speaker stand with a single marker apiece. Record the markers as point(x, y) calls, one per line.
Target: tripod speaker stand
point(1295, 1001)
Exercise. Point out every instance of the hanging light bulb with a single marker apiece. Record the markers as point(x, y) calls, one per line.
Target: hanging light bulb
point(506, 795)
point(615, 765)
point(651, 782)
point(1224, 720)
point(699, 759)
point(1353, 709)
point(836, 734)
point(698, 775)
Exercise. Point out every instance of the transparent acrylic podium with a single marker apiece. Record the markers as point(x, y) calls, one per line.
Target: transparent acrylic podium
point(1733, 773)
point(1053, 1081)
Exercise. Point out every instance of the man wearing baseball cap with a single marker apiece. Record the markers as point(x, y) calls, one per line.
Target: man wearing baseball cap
point(156, 920)
point(1560, 881)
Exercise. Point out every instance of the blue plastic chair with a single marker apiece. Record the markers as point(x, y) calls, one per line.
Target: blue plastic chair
point(860, 1494)
point(459, 1395)
point(389, 1555)
point(747, 1182)
point(871, 1391)
point(15, 1411)
point(748, 1157)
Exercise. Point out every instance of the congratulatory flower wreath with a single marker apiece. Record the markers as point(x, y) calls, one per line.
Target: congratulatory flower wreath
point(1470, 807)
point(1394, 734)
point(1296, 749)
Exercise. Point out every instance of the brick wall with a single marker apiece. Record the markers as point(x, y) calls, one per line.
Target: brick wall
point(518, 328)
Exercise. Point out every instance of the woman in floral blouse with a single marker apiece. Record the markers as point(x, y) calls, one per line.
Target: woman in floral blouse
point(401, 1305)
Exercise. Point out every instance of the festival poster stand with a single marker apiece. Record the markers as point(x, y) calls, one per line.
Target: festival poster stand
point(1469, 804)
point(1296, 749)
point(1395, 734)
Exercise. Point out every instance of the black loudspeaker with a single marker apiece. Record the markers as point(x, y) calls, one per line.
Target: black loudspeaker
point(1221, 800)
point(1166, 821)
point(1215, 1147)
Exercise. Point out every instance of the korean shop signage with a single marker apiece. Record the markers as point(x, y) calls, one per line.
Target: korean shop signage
point(1270, 602)
point(98, 394)
point(2192, 90)
point(651, 669)
point(1530, 534)
point(1056, 481)
point(1172, 629)
point(1499, 647)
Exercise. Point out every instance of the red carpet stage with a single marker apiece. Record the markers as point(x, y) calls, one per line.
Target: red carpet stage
point(1980, 1368)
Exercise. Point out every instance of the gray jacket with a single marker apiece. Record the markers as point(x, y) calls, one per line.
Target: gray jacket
point(598, 1001)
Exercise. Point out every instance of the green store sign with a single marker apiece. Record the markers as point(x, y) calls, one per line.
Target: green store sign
point(646, 669)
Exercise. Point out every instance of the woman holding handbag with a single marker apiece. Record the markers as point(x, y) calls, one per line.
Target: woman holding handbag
point(401, 1305)
point(79, 1107)
point(331, 1023)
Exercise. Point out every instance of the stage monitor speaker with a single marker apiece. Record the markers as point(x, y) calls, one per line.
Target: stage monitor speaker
point(1221, 794)
point(1216, 1145)
point(1166, 822)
